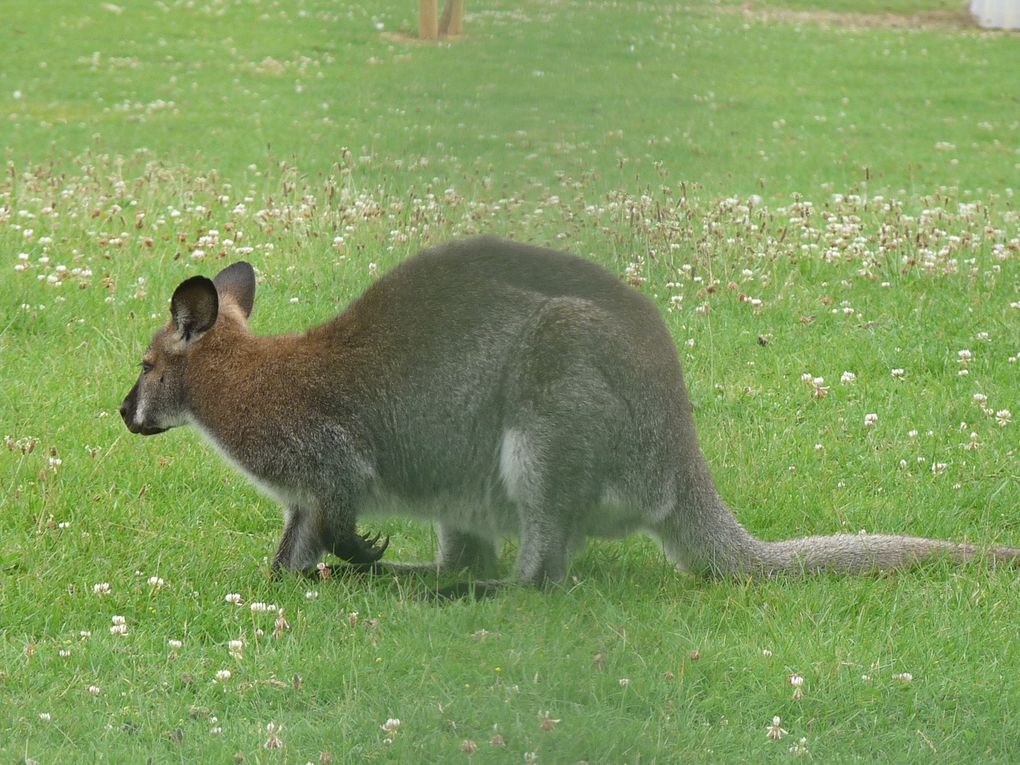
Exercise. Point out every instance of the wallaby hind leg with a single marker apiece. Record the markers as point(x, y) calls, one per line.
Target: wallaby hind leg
point(302, 543)
point(542, 557)
point(554, 458)
point(462, 550)
point(546, 500)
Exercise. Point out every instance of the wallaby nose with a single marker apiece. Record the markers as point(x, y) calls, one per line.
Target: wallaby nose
point(127, 407)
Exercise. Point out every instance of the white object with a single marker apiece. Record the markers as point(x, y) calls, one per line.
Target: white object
point(996, 14)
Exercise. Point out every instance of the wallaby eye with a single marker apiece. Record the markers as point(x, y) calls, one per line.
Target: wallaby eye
point(146, 367)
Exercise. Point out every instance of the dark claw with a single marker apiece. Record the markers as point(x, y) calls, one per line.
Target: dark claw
point(381, 548)
point(361, 549)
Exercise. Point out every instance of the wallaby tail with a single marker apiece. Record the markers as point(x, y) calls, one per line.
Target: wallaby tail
point(708, 539)
point(862, 553)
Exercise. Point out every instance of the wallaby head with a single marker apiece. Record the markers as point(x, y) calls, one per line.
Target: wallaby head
point(160, 399)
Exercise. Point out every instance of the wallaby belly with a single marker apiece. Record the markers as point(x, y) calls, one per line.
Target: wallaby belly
point(488, 514)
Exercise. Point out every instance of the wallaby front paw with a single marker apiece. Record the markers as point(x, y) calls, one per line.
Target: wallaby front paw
point(361, 549)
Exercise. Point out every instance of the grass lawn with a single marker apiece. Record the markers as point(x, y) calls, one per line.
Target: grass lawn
point(810, 191)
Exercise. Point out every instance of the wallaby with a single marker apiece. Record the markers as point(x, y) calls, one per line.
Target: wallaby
point(497, 388)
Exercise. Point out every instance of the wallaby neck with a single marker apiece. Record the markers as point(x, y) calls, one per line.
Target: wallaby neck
point(240, 377)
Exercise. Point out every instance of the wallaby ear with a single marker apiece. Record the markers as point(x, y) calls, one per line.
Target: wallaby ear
point(194, 307)
point(237, 282)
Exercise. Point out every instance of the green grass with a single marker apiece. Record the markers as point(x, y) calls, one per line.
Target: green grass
point(940, 9)
point(681, 144)
point(686, 93)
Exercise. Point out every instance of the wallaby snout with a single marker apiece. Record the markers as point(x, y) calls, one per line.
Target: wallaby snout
point(129, 413)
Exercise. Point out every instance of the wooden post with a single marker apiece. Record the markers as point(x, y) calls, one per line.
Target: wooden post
point(428, 19)
point(452, 22)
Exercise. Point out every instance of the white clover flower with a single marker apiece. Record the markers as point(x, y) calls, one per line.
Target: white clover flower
point(800, 748)
point(870, 420)
point(547, 722)
point(776, 731)
point(797, 681)
point(274, 741)
point(280, 625)
point(390, 728)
